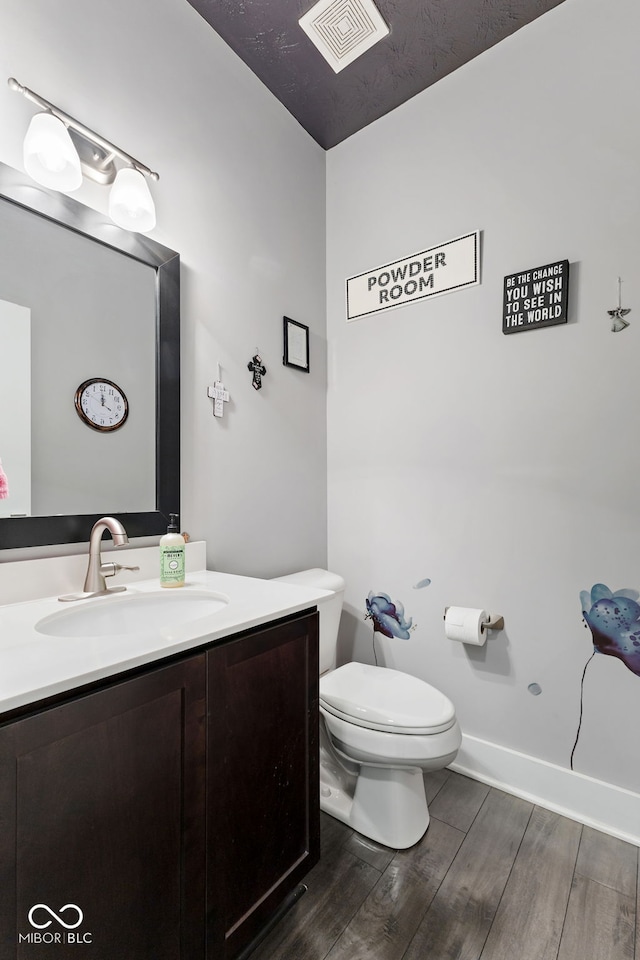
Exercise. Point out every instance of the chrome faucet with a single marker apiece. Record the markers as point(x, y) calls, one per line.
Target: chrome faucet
point(94, 583)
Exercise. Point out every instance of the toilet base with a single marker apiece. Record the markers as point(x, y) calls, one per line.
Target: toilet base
point(388, 805)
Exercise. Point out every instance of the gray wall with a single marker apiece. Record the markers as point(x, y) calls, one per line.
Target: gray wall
point(502, 468)
point(241, 196)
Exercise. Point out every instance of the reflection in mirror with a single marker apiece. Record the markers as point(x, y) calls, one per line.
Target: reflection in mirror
point(15, 410)
point(103, 304)
point(92, 315)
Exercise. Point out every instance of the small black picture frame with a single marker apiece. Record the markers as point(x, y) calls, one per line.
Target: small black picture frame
point(296, 344)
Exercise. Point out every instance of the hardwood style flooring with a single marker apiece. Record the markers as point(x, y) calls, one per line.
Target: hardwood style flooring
point(494, 878)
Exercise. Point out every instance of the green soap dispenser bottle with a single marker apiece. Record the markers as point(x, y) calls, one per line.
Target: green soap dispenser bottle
point(172, 558)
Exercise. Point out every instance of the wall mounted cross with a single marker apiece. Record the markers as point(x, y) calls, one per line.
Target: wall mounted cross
point(259, 370)
point(219, 395)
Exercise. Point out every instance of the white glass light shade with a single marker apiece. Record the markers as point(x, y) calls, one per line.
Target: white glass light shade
point(130, 202)
point(49, 155)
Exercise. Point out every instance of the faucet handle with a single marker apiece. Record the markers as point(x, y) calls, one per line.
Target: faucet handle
point(110, 569)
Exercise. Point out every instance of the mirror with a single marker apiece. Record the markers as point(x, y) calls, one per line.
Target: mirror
point(98, 303)
point(15, 408)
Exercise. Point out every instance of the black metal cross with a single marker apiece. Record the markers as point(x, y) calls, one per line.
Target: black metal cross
point(258, 369)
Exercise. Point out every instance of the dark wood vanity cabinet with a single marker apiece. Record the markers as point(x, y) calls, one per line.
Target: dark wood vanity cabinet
point(138, 823)
point(263, 778)
point(102, 799)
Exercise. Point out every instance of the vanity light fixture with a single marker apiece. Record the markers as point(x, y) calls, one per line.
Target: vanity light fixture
point(130, 201)
point(50, 157)
point(59, 150)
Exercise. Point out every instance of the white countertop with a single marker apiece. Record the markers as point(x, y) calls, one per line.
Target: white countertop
point(34, 666)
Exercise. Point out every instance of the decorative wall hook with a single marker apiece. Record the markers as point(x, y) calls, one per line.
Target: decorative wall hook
point(259, 370)
point(618, 322)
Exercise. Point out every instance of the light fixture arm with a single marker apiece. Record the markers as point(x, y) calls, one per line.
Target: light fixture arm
point(85, 132)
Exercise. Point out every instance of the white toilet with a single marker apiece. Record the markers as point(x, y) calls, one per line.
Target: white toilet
point(379, 729)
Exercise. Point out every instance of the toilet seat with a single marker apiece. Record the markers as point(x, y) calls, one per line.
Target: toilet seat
point(387, 700)
point(392, 748)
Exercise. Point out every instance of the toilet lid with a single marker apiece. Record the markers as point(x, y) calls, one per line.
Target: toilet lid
point(384, 699)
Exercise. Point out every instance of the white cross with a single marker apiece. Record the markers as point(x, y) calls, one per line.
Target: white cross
point(219, 395)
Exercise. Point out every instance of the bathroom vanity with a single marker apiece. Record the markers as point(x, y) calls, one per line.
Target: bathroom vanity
point(164, 802)
point(158, 777)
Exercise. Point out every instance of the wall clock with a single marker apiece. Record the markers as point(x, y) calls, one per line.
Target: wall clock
point(101, 404)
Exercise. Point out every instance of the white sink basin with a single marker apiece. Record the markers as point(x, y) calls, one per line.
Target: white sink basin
point(141, 613)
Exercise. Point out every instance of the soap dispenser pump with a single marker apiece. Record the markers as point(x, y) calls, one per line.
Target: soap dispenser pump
point(172, 558)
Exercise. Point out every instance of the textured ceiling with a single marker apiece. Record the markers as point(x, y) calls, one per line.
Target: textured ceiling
point(428, 39)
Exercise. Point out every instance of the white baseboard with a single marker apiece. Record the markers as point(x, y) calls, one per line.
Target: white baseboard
point(603, 806)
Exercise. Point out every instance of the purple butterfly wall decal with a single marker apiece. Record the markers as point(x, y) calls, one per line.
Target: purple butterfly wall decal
point(388, 618)
point(614, 622)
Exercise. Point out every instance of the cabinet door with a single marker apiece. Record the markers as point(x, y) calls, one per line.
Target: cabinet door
point(101, 823)
point(263, 772)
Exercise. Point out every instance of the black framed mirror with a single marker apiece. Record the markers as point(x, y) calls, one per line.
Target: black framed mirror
point(163, 418)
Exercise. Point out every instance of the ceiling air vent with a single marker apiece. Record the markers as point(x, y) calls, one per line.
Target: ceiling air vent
point(343, 29)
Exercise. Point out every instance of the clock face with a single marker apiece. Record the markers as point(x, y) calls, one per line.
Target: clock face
point(101, 404)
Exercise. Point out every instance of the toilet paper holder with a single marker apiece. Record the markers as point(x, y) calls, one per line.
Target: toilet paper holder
point(495, 621)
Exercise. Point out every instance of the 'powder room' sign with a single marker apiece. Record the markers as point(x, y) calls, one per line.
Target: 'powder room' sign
point(451, 266)
point(536, 298)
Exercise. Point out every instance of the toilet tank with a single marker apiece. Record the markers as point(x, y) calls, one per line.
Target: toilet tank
point(329, 608)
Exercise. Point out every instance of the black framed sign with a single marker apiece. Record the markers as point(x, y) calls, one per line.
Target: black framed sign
point(537, 297)
point(296, 344)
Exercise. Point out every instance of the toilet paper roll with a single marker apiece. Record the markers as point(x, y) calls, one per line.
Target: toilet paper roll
point(465, 624)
